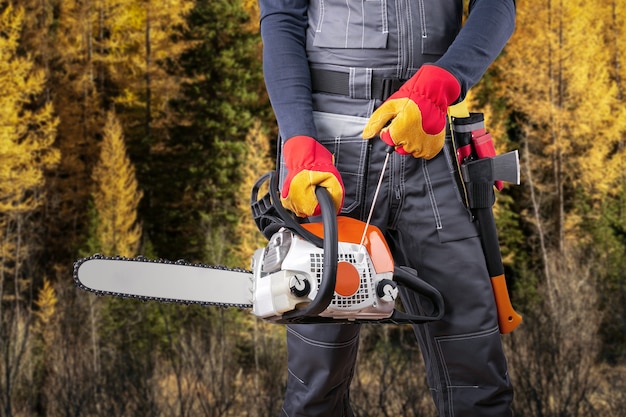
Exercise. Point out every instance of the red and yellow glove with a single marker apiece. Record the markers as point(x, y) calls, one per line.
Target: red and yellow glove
point(309, 164)
point(417, 112)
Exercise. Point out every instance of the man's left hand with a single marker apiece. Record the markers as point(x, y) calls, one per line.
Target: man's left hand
point(413, 119)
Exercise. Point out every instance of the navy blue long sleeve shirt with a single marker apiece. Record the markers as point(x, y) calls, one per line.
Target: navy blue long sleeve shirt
point(489, 25)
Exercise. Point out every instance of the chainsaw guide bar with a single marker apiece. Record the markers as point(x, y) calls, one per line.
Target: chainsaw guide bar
point(89, 273)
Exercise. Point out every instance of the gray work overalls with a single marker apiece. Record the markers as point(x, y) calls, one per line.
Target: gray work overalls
point(363, 47)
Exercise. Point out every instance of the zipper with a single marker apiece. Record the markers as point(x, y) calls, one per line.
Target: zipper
point(422, 11)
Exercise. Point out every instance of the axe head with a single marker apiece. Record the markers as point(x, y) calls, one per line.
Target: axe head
point(506, 167)
point(503, 167)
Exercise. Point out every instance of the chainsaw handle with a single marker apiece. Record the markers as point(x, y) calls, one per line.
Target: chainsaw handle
point(408, 278)
point(326, 290)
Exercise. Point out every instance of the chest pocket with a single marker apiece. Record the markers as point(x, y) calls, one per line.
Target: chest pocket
point(360, 24)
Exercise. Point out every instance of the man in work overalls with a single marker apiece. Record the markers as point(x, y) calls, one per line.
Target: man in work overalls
point(341, 71)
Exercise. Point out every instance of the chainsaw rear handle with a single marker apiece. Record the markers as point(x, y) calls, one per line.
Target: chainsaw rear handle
point(407, 278)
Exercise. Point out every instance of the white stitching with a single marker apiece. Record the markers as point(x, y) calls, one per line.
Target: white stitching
point(431, 196)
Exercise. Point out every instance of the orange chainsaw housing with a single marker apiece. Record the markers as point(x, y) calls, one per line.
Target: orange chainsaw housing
point(351, 231)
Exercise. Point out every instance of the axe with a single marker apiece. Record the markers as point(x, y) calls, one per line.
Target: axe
point(479, 176)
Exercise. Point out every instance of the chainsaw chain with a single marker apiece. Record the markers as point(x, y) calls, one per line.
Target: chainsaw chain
point(81, 286)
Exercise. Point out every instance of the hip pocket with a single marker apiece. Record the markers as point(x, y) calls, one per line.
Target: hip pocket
point(341, 135)
point(453, 220)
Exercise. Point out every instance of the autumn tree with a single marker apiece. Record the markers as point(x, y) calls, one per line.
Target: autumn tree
point(38, 35)
point(609, 227)
point(123, 332)
point(138, 43)
point(45, 331)
point(115, 231)
point(27, 133)
point(68, 54)
point(116, 196)
point(564, 114)
point(257, 161)
point(99, 53)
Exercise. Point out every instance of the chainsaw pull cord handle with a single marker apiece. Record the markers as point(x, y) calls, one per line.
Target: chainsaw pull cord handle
point(326, 290)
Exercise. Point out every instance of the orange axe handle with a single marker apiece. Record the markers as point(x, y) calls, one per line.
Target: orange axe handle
point(508, 318)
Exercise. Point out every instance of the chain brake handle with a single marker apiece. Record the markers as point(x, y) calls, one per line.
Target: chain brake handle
point(270, 215)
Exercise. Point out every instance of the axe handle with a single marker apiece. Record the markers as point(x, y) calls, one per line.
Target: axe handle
point(508, 318)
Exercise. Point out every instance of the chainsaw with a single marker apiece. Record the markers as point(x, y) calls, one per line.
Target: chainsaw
point(339, 270)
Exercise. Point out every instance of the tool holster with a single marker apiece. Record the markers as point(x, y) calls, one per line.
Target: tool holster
point(471, 143)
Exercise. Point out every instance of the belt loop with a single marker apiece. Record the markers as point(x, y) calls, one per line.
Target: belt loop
point(360, 78)
point(352, 82)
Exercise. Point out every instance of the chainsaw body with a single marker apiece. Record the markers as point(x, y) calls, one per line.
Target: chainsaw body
point(288, 274)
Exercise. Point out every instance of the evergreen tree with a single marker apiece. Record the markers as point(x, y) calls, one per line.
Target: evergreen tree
point(220, 96)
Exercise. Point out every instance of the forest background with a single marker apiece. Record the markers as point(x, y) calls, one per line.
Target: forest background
point(137, 127)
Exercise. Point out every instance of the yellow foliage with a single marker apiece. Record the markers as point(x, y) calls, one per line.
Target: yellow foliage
point(46, 302)
point(26, 136)
point(140, 38)
point(257, 162)
point(252, 8)
point(559, 77)
point(46, 308)
point(116, 196)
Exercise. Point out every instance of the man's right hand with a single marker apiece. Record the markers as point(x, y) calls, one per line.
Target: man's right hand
point(309, 165)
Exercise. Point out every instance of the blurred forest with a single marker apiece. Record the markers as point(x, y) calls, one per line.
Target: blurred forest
point(137, 127)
